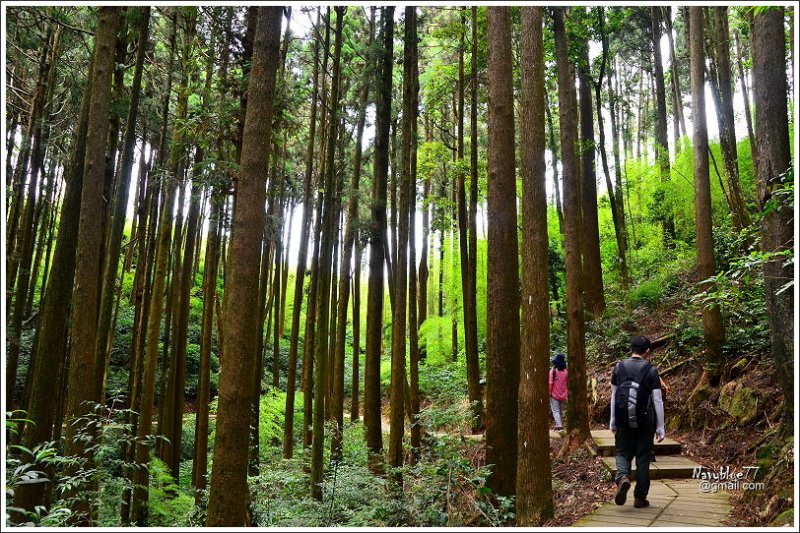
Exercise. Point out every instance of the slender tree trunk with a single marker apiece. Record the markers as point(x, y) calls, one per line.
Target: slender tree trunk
point(120, 205)
point(712, 319)
point(553, 147)
point(413, 340)
point(592, 268)
point(577, 403)
point(775, 172)
point(20, 262)
point(617, 211)
point(677, 94)
point(344, 287)
point(300, 275)
point(741, 217)
point(210, 269)
point(372, 394)
point(662, 142)
point(50, 342)
point(139, 503)
point(355, 392)
point(748, 114)
point(329, 211)
point(228, 499)
point(404, 180)
point(503, 300)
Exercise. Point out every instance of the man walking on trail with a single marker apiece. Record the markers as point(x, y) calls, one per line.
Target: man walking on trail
point(637, 415)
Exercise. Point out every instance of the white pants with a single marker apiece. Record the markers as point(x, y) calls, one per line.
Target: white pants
point(557, 408)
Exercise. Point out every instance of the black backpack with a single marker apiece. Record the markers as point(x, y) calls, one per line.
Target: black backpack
point(632, 399)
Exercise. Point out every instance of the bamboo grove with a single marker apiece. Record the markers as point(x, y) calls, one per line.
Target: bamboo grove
point(207, 205)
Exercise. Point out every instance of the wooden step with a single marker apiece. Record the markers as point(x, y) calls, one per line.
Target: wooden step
point(665, 467)
point(604, 440)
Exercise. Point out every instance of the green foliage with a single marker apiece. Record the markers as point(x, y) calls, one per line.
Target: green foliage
point(442, 489)
point(168, 506)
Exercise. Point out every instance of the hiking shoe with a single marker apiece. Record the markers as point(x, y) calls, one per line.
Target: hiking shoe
point(623, 485)
point(640, 503)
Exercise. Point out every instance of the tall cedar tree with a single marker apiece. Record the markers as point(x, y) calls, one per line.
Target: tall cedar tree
point(85, 295)
point(712, 319)
point(344, 279)
point(228, 498)
point(372, 357)
point(397, 399)
point(330, 214)
point(661, 141)
point(469, 297)
point(471, 307)
point(503, 341)
point(534, 488)
point(592, 268)
point(775, 173)
point(139, 503)
point(577, 401)
point(302, 256)
point(120, 204)
point(726, 120)
point(50, 343)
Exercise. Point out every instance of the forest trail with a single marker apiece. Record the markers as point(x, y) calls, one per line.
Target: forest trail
point(676, 500)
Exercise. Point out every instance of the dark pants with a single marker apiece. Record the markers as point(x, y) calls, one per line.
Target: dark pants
point(637, 443)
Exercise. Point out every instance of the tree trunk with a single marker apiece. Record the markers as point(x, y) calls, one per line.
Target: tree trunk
point(117, 218)
point(404, 181)
point(300, 272)
point(592, 269)
point(372, 357)
point(722, 41)
point(50, 342)
point(503, 341)
point(228, 499)
point(748, 114)
point(344, 287)
point(662, 142)
point(328, 223)
point(617, 211)
point(210, 269)
point(577, 403)
point(712, 319)
point(775, 173)
point(534, 488)
point(85, 296)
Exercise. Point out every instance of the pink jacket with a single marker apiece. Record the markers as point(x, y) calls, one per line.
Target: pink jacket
point(558, 384)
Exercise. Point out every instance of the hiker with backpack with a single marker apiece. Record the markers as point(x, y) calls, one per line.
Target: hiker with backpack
point(557, 384)
point(637, 415)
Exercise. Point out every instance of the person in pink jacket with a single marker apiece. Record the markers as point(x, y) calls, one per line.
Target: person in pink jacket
point(558, 389)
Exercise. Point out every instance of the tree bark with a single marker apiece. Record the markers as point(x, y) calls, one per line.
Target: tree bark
point(228, 499)
point(50, 342)
point(85, 295)
point(775, 172)
point(712, 319)
point(722, 42)
point(534, 488)
point(105, 335)
point(372, 357)
point(592, 269)
point(577, 404)
point(300, 272)
point(327, 236)
point(503, 337)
